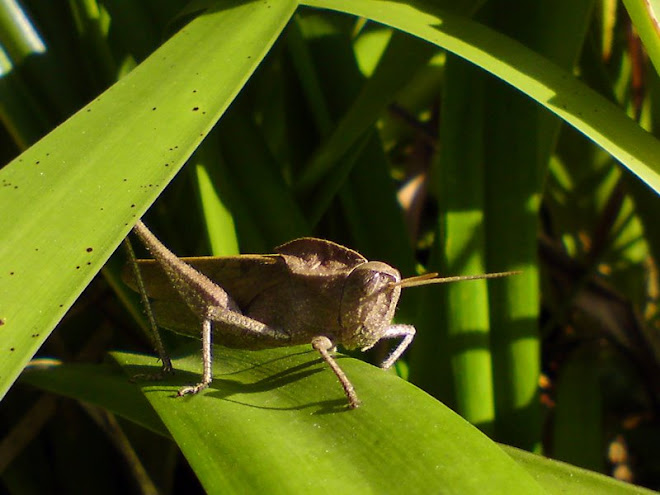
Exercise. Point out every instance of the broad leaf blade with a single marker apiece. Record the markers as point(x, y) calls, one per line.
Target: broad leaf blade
point(69, 200)
point(276, 421)
point(273, 405)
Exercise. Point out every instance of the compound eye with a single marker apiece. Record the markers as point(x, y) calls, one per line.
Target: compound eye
point(368, 302)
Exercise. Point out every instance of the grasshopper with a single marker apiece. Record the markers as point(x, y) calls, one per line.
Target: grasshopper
point(312, 291)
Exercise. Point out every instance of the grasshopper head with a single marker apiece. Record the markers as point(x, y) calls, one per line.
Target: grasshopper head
point(368, 303)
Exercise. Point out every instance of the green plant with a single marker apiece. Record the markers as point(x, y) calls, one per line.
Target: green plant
point(307, 147)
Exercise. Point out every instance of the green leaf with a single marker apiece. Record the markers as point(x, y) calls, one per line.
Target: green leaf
point(645, 18)
point(104, 385)
point(554, 88)
point(560, 478)
point(276, 421)
point(71, 198)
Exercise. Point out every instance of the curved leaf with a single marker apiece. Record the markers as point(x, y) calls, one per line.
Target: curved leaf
point(71, 198)
point(277, 421)
point(559, 477)
point(554, 88)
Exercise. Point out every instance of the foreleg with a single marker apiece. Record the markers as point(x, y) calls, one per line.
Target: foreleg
point(405, 331)
point(324, 345)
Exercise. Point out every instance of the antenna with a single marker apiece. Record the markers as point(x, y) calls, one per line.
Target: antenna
point(434, 278)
